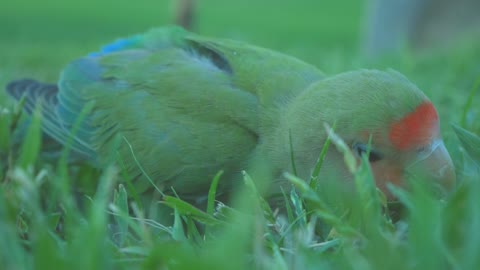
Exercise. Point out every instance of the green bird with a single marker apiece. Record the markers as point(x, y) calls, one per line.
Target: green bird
point(187, 106)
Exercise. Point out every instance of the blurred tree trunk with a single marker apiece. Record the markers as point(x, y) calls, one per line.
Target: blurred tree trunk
point(419, 24)
point(185, 13)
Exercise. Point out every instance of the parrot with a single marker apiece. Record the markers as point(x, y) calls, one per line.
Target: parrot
point(187, 106)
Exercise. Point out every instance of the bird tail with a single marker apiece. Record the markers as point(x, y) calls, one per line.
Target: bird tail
point(45, 96)
point(33, 91)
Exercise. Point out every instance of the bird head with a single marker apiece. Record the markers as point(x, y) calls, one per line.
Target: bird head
point(401, 121)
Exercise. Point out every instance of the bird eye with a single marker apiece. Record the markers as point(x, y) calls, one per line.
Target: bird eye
point(361, 149)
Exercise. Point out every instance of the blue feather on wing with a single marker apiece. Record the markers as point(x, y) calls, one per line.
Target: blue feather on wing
point(118, 45)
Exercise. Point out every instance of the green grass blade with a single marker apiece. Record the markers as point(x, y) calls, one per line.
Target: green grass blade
point(292, 156)
point(120, 200)
point(468, 104)
point(186, 209)
point(32, 143)
point(212, 193)
point(470, 142)
point(319, 163)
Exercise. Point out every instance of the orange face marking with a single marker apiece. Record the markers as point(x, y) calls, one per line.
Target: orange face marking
point(416, 128)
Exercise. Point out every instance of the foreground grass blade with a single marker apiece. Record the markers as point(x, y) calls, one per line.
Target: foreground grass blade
point(184, 208)
point(32, 142)
point(470, 142)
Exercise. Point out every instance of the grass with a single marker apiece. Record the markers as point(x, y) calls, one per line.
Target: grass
point(43, 226)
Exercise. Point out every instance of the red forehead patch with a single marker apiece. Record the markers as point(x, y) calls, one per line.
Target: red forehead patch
point(416, 128)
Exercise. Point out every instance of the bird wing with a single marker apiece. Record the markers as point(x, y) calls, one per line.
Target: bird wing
point(183, 106)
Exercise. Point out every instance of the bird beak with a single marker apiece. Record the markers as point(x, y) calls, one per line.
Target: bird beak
point(435, 165)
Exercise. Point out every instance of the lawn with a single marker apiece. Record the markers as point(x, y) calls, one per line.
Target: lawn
point(42, 225)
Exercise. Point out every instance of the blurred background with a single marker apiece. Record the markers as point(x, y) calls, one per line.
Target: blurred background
point(434, 42)
point(308, 29)
point(305, 28)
